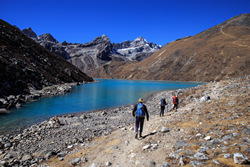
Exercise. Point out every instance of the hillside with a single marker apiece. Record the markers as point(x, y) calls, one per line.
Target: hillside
point(218, 53)
point(24, 64)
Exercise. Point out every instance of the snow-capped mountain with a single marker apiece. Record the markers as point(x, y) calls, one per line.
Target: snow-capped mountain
point(137, 49)
point(91, 55)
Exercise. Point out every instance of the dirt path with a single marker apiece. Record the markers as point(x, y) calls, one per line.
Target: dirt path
point(122, 149)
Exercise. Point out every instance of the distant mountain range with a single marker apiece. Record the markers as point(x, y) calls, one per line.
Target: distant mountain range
point(221, 52)
point(25, 64)
point(100, 51)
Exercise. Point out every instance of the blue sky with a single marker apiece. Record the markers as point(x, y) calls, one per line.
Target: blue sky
point(159, 21)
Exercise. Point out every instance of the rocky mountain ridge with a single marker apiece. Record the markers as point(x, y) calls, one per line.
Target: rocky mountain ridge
point(100, 51)
point(25, 65)
point(220, 52)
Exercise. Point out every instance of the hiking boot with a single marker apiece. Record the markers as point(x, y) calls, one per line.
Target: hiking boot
point(140, 136)
point(136, 135)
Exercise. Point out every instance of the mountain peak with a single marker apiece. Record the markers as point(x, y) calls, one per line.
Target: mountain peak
point(47, 37)
point(29, 32)
point(101, 39)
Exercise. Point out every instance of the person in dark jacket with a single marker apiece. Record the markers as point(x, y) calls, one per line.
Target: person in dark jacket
point(139, 112)
point(163, 104)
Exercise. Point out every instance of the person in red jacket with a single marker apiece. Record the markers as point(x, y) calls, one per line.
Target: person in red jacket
point(175, 102)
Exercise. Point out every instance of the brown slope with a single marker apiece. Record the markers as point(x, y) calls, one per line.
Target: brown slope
point(220, 52)
point(24, 63)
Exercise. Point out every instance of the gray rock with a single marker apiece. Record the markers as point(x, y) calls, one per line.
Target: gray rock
point(181, 163)
point(235, 134)
point(164, 130)
point(9, 156)
point(227, 155)
point(179, 151)
point(216, 162)
point(173, 155)
point(203, 149)
point(61, 154)
point(246, 140)
point(246, 131)
point(227, 137)
point(200, 156)
point(166, 164)
point(195, 163)
point(47, 154)
point(7, 145)
point(3, 111)
point(26, 157)
point(180, 144)
point(108, 163)
point(216, 141)
point(60, 159)
point(75, 161)
point(205, 98)
point(240, 158)
point(189, 152)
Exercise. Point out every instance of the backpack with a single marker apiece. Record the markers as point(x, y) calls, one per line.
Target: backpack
point(174, 100)
point(140, 112)
point(163, 102)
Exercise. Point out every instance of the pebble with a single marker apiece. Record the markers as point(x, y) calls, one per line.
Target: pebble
point(75, 161)
point(108, 163)
point(208, 138)
point(164, 130)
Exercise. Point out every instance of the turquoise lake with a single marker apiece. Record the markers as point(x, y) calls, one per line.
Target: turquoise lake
point(106, 93)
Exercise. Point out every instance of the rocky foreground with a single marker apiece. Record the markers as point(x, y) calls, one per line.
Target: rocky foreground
point(211, 128)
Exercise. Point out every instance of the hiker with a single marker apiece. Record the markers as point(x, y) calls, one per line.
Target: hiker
point(163, 103)
point(139, 112)
point(175, 102)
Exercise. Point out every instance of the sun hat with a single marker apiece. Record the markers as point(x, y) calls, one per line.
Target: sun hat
point(140, 100)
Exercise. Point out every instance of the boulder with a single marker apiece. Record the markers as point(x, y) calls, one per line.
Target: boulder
point(240, 158)
point(3, 111)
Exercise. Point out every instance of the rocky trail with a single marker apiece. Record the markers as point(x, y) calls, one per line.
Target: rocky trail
point(211, 128)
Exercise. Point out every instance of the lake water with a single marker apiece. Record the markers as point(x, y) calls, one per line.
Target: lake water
point(105, 94)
